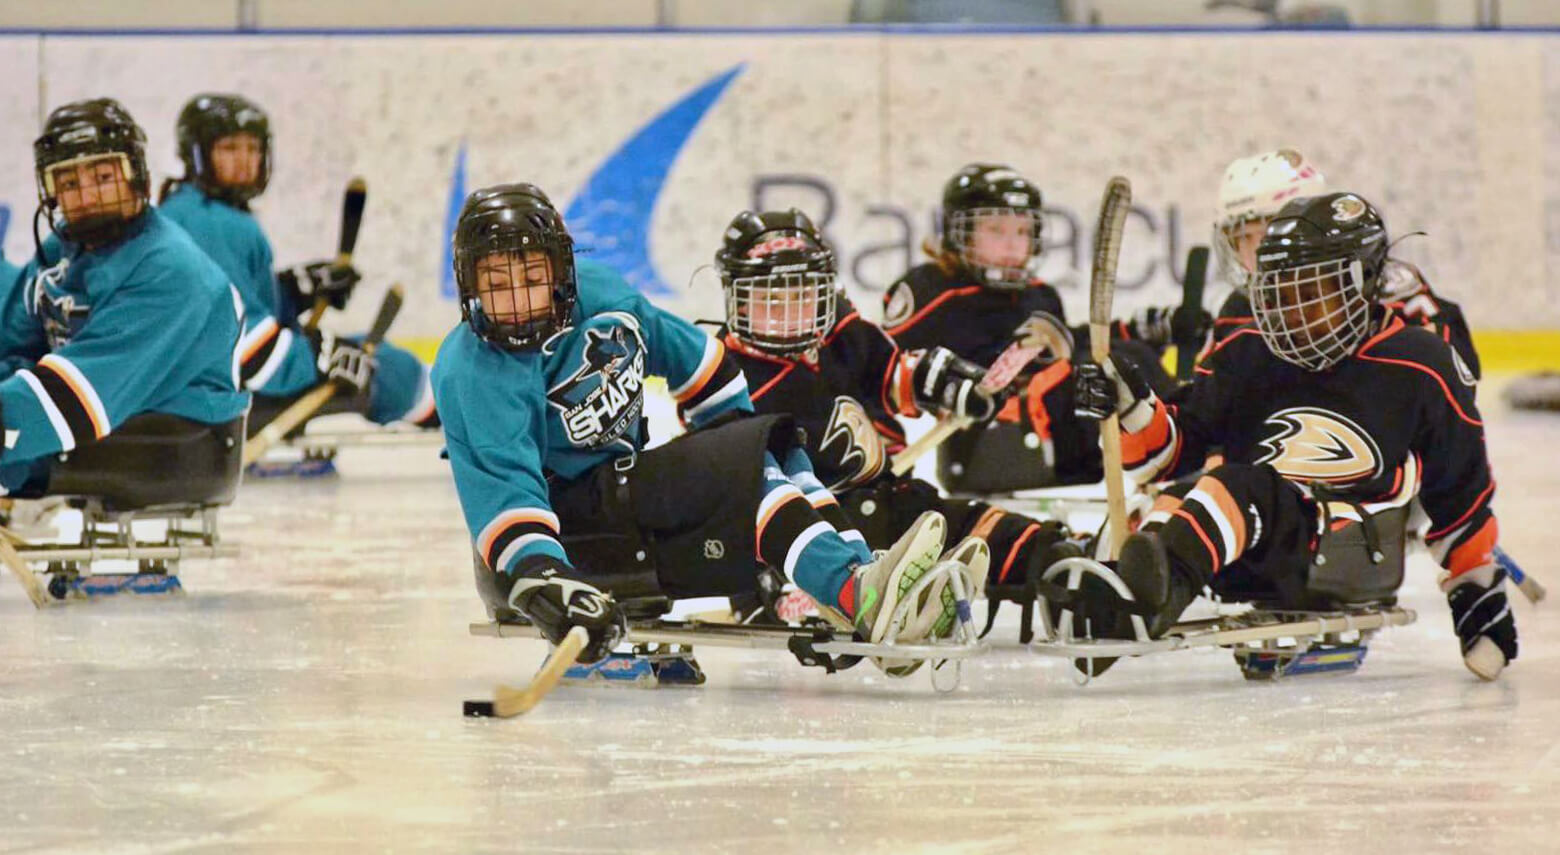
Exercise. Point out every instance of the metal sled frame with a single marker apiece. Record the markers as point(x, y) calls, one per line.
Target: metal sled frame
point(816, 645)
point(1257, 630)
point(109, 536)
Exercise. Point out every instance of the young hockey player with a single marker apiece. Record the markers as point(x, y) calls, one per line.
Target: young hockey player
point(972, 297)
point(808, 354)
point(118, 315)
point(541, 392)
point(1253, 190)
point(1333, 414)
point(225, 144)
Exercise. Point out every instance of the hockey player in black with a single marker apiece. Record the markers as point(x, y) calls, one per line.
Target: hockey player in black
point(1252, 191)
point(1333, 414)
point(972, 297)
point(807, 353)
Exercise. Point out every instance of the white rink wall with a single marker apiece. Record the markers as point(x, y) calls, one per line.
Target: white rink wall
point(1452, 134)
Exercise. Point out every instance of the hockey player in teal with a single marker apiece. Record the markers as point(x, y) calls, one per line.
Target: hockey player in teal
point(541, 391)
point(225, 144)
point(119, 315)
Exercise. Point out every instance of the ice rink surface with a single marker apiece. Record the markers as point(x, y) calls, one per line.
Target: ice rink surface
point(306, 698)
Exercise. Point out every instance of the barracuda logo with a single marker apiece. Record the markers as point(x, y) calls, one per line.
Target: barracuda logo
point(610, 216)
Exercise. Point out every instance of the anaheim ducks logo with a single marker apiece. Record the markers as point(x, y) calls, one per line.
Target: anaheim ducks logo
point(1347, 208)
point(1313, 444)
point(853, 442)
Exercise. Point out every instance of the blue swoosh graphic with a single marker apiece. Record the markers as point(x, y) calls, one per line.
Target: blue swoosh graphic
point(451, 217)
point(611, 215)
point(5, 222)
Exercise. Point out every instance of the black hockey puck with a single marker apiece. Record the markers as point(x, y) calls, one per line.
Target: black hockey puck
point(477, 709)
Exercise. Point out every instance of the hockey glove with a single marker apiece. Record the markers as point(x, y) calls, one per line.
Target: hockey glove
point(343, 362)
point(545, 592)
point(318, 280)
point(1483, 620)
point(1162, 327)
point(945, 382)
point(1116, 387)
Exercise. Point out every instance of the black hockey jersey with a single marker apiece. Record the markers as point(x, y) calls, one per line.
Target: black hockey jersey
point(1394, 420)
point(929, 308)
point(846, 398)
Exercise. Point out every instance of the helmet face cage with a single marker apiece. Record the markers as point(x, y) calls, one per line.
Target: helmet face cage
point(114, 214)
point(1312, 315)
point(783, 313)
point(1227, 254)
point(961, 229)
point(497, 303)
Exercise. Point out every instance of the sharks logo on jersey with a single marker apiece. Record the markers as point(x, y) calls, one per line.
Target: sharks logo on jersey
point(62, 317)
point(853, 441)
point(1313, 444)
point(602, 398)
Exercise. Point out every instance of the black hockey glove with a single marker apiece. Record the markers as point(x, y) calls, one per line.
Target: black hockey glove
point(545, 592)
point(1116, 387)
point(945, 382)
point(1164, 326)
point(318, 279)
point(343, 362)
point(1482, 617)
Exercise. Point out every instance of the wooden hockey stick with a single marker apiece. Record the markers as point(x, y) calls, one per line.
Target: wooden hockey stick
point(1529, 586)
point(309, 404)
point(1102, 293)
point(18, 567)
point(352, 203)
point(1037, 338)
point(509, 702)
point(1191, 300)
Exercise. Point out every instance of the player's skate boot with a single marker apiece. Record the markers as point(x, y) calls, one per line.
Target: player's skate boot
point(883, 582)
point(974, 555)
point(1148, 572)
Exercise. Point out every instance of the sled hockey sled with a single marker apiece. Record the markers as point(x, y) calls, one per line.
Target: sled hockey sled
point(1267, 643)
point(659, 650)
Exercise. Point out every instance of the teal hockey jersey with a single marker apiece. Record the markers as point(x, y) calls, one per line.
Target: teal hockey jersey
point(511, 420)
point(89, 339)
point(275, 360)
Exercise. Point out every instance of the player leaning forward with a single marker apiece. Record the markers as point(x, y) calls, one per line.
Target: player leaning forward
point(541, 392)
point(118, 316)
point(1333, 414)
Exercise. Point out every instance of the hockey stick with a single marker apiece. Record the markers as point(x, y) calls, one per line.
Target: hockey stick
point(509, 702)
point(1529, 586)
point(1004, 369)
point(352, 203)
point(1102, 292)
point(309, 404)
point(18, 567)
point(1191, 301)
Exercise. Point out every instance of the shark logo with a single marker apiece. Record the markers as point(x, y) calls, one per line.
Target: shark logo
point(853, 442)
point(604, 396)
point(62, 317)
point(1313, 444)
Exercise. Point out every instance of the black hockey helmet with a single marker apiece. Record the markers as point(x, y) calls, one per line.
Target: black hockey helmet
point(1319, 270)
point(984, 190)
point(210, 117)
point(511, 220)
point(83, 131)
point(778, 275)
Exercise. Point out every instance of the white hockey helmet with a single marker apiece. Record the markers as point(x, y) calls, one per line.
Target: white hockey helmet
point(1254, 189)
